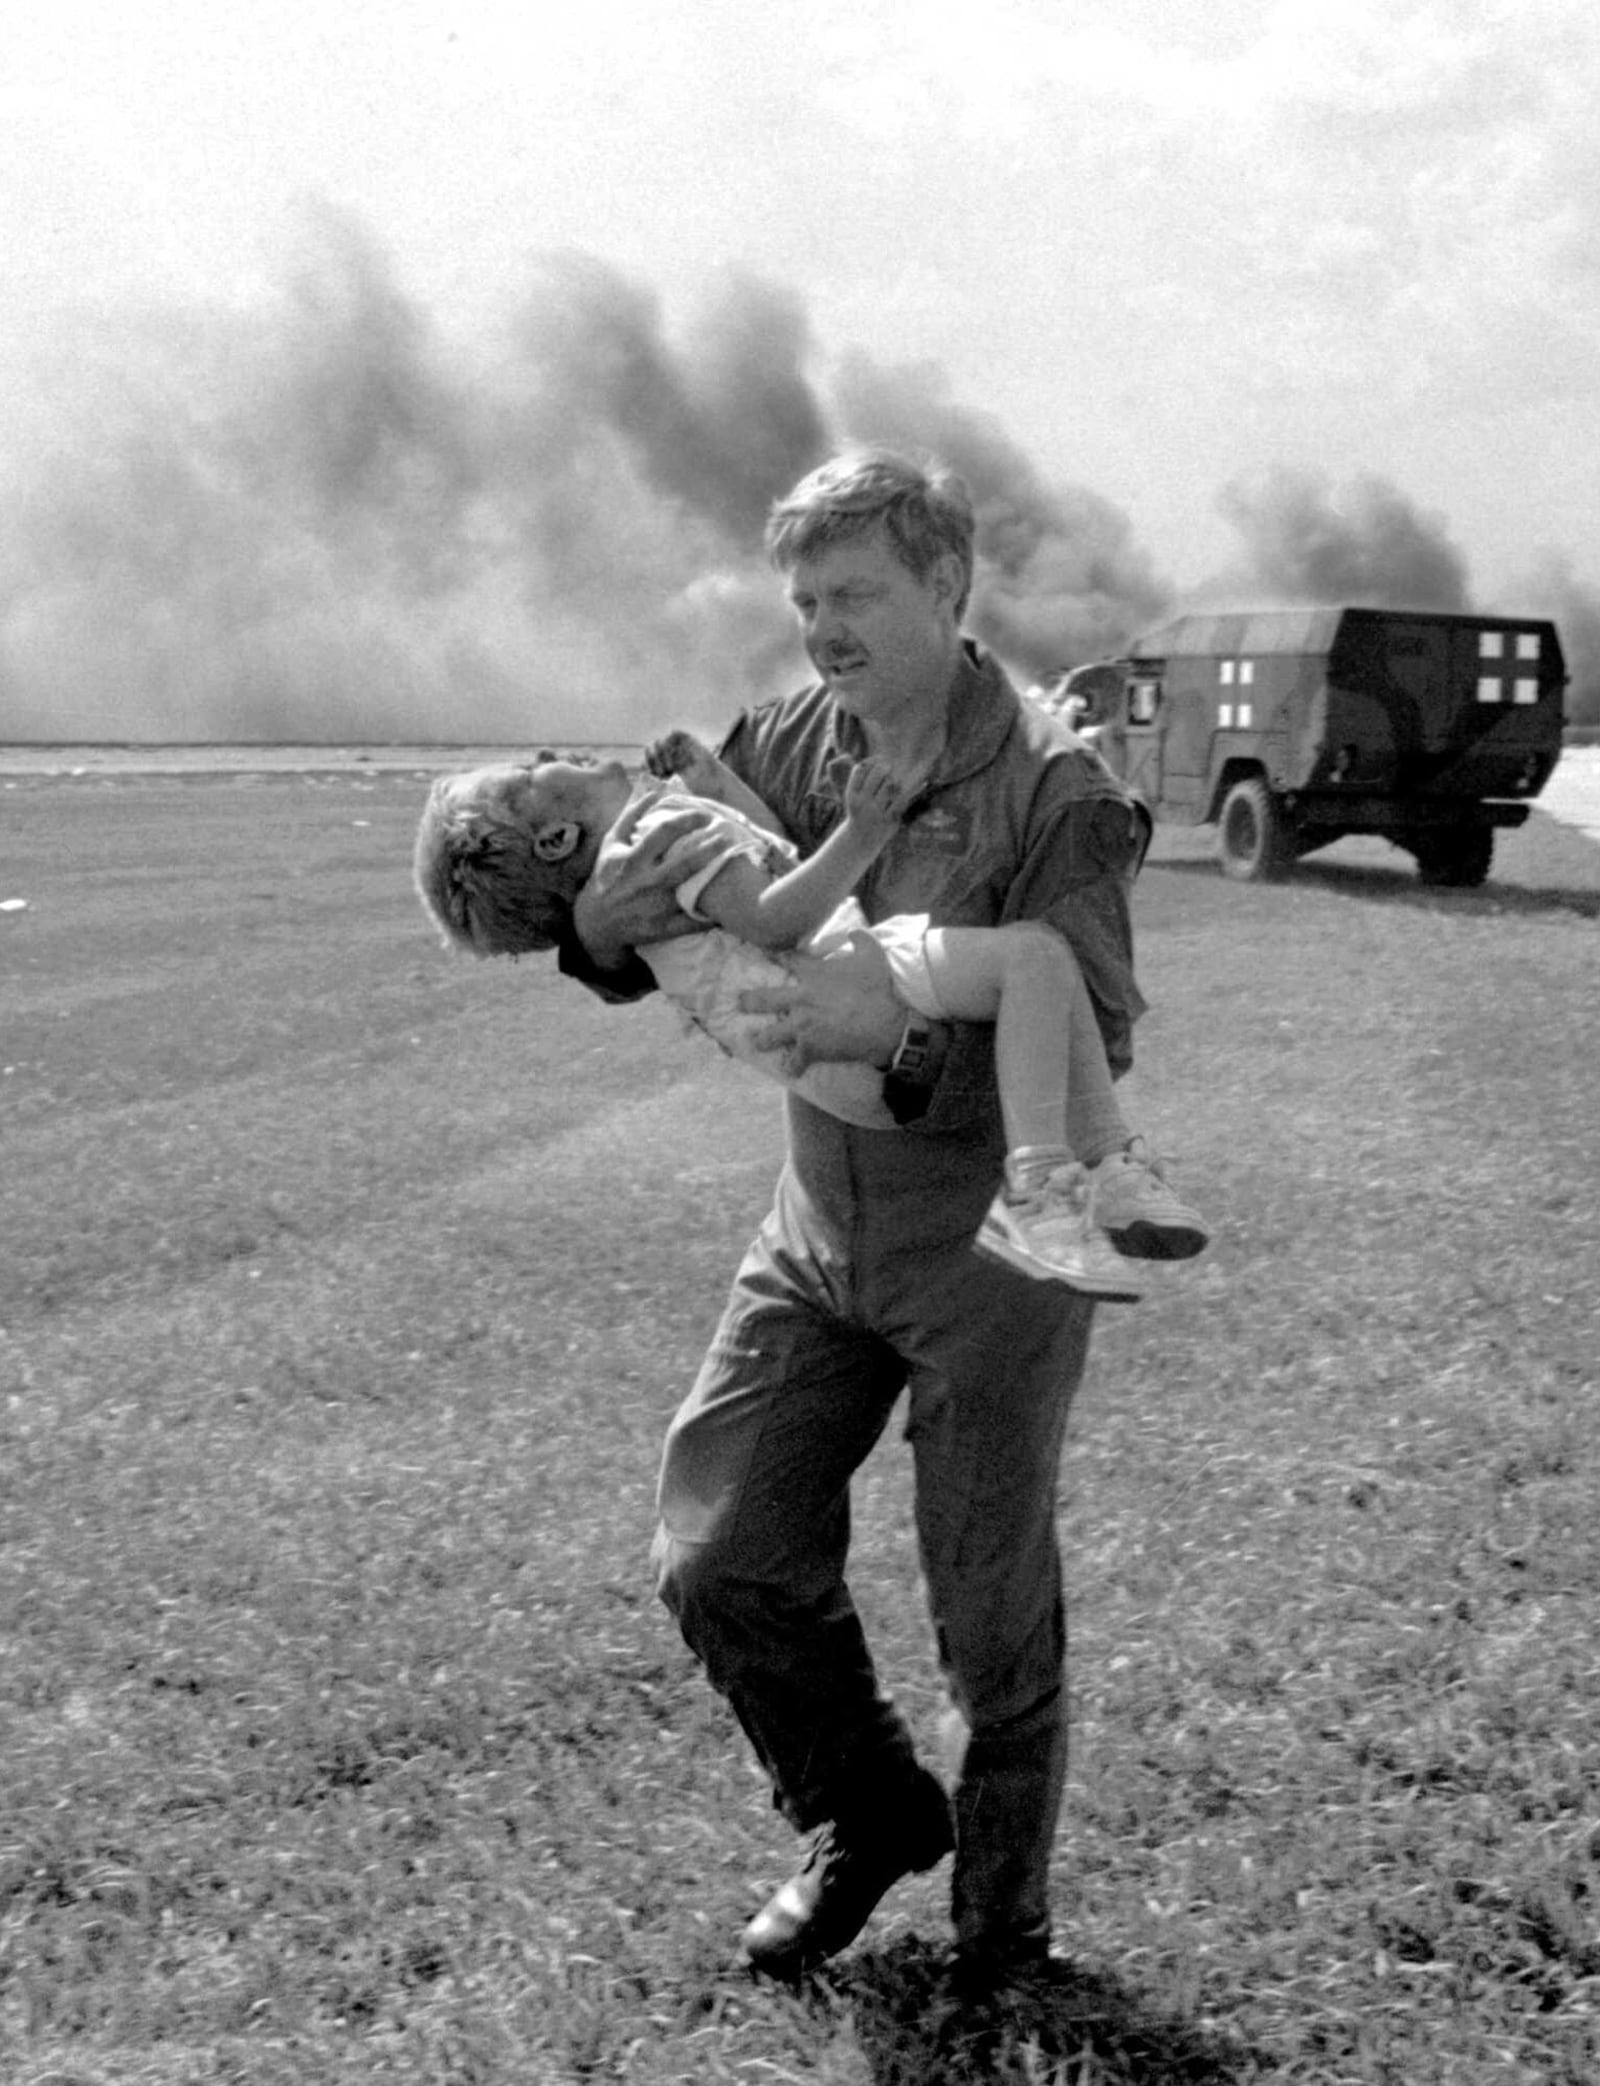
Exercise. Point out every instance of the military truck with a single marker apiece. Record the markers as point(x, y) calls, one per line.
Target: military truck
point(1289, 728)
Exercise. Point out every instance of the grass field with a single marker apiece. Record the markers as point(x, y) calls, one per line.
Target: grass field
point(345, 1291)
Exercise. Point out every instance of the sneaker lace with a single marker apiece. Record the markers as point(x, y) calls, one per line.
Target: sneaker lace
point(1069, 1184)
point(1138, 1153)
point(1074, 1186)
point(825, 1847)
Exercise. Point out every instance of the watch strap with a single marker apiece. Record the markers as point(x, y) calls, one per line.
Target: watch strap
point(913, 1052)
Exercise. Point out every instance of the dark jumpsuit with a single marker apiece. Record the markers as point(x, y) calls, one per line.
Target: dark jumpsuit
point(864, 1282)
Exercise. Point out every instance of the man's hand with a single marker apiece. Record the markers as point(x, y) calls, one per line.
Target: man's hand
point(841, 1007)
point(629, 898)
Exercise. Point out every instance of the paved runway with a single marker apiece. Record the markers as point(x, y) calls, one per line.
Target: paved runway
point(1573, 792)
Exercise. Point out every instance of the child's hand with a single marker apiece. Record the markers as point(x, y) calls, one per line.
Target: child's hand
point(680, 753)
point(872, 800)
point(662, 755)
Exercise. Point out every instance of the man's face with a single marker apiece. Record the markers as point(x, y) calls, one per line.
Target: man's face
point(885, 642)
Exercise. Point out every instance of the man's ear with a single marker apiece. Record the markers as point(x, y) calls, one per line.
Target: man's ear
point(556, 841)
point(948, 578)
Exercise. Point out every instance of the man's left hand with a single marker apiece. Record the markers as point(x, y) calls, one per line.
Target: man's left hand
point(838, 1008)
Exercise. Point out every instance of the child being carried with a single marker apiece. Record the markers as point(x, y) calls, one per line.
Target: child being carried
point(503, 851)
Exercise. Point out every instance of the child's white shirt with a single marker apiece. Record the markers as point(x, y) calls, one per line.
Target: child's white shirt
point(704, 974)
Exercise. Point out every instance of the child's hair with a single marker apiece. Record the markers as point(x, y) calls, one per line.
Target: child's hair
point(478, 876)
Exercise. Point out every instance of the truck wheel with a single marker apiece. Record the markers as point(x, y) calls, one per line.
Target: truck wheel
point(1254, 839)
point(1456, 859)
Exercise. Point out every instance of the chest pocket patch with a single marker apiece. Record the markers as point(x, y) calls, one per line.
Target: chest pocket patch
point(934, 865)
point(943, 829)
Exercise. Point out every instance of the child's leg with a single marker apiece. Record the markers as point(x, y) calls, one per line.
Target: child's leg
point(1056, 1093)
point(1025, 979)
point(1055, 1086)
point(1058, 1102)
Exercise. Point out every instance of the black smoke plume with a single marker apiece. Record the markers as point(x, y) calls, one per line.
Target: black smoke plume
point(1552, 589)
point(1363, 546)
point(331, 519)
point(327, 519)
point(1059, 578)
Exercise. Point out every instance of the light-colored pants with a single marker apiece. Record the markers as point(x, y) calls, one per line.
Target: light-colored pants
point(864, 1282)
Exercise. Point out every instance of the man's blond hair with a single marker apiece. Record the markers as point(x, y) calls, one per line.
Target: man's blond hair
point(925, 510)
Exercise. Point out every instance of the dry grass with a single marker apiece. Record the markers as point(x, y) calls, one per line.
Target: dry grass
point(345, 1291)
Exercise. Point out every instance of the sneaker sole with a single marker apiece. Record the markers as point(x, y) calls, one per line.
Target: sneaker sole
point(999, 1248)
point(1146, 1241)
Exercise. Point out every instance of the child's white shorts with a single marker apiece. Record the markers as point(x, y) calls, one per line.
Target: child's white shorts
point(903, 938)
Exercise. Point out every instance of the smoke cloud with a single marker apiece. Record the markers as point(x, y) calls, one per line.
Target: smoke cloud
point(1365, 546)
point(330, 519)
point(714, 426)
point(1553, 590)
point(1058, 578)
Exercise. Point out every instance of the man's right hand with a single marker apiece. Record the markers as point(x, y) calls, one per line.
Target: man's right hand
point(630, 896)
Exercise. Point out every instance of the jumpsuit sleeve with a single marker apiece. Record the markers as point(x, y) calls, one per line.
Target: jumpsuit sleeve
point(632, 982)
point(1077, 876)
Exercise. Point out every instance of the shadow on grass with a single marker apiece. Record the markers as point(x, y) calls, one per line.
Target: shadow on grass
point(916, 2027)
point(1400, 886)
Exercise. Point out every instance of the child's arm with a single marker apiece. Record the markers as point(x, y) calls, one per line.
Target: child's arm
point(682, 754)
point(779, 912)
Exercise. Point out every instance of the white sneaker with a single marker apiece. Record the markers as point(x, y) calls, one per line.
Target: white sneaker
point(1045, 1230)
point(1133, 1204)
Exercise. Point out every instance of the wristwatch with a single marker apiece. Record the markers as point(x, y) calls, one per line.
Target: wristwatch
point(906, 1086)
point(910, 1061)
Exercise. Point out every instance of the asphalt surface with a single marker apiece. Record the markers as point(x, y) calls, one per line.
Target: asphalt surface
point(1572, 794)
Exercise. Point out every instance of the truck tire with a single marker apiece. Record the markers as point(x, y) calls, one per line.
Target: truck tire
point(1254, 839)
point(1456, 858)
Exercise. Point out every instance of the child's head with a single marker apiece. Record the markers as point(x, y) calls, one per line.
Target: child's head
point(502, 852)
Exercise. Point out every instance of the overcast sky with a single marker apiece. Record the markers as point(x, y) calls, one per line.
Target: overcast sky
point(1162, 248)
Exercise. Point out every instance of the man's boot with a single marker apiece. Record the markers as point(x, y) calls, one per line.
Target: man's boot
point(852, 1862)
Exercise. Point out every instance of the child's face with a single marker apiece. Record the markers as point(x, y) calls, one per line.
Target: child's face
point(561, 795)
point(598, 782)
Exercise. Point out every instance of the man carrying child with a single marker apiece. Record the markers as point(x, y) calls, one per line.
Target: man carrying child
point(864, 1281)
point(976, 991)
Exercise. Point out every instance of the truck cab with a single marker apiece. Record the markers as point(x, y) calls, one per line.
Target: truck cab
point(1288, 729)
